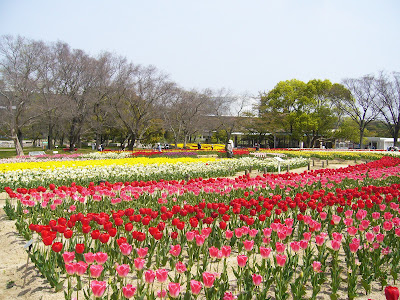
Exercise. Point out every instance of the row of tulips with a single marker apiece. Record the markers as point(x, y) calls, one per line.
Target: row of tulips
point(218, 238)
point(140, 168)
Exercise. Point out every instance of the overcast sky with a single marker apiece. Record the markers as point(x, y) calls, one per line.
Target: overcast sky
point(234, 44)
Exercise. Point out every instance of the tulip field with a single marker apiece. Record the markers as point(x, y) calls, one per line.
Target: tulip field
point(133, 228)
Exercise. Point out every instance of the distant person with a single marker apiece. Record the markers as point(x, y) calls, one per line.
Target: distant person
point(229, 149)
point(212, 147)
point(198, 146)
point(257, 146)
point(159, 147)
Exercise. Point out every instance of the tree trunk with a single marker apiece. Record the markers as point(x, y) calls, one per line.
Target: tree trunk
point(361, 138)
point(17, 144)
point(50, 138)
point(395, 135)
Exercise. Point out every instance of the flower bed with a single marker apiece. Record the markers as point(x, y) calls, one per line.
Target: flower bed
point(216, 238)
point(128, 169)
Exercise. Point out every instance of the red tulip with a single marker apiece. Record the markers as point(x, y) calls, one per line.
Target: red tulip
point(79, 248)
point(57, 247)
point(391, 293)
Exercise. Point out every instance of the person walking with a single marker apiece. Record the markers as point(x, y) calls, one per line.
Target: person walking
point(229, 149)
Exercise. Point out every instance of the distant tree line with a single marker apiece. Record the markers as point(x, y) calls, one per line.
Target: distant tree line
point(319, 109)
point(48, 90)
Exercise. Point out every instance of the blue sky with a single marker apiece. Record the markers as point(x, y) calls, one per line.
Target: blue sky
point(238, 45)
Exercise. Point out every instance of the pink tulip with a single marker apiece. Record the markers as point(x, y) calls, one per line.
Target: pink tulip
point(149, 276)
point(180, 267)
point(335, 245)
point(162, 275)
point(248, 245)
point(142, 252)
point(257, 279)
point(162, 294)
point(128, 291)
point(303, 244)
point(208, 279)
point(280, 260)
point(253, 232)
point(267, 232)
point(81, 268)
point(125, 248)
point(323, 215)
point(139, 263)
point(387, 226)
point(295, 246)
point(68, 257)
point(376, 215)
point(229, 296)
point(307, 236)
point(174, 289)
point(226, 251)
point(348, 213)
point(241, 260)
point(317, 266)
point(280, 248)
point(195, 287)
point(319, 240)
point(352, 231)
point(200, 239)
point(122, 270)
point(265, 252)
point(376, 229)
point(190, 235)
point(337, 236)
point(348, 222)
point(95, 270)
point(98, 288)
point(238, 232)
point(370, 236)
point(70, 268)
point(380, 237)
point(228, 234)
point(175, 250)
point(101, 257)
point(89, 257)
point(213, 251)
point(336, 219)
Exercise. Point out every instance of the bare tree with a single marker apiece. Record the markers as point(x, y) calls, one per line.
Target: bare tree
point(186, 113)
point(77, 76)
point(361, 106)
point(139, 105)
point(19, 76)
point(389, 102)
point(228, 111)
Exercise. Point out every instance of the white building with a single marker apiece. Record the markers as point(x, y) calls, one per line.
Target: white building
point(380, 142)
